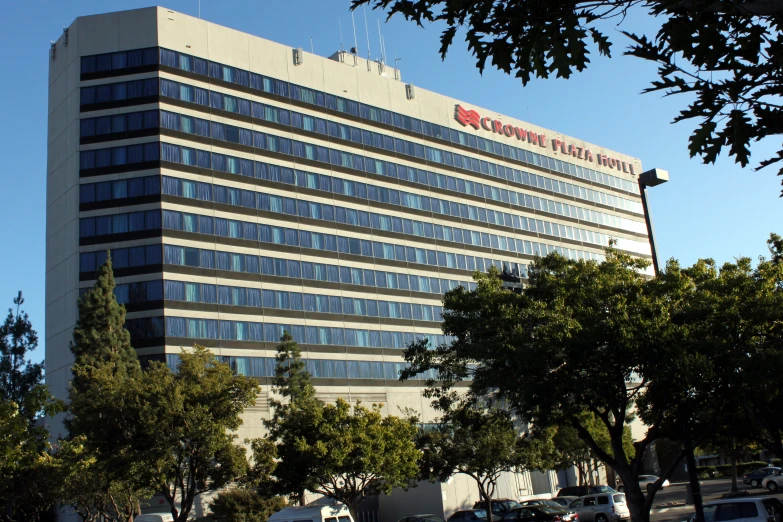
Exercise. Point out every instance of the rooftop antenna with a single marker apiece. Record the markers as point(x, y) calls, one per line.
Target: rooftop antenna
point(355, 45)
point(311, 46)
point(367, 34)
point(199, 9)
point(340, 23)
point(380, 39)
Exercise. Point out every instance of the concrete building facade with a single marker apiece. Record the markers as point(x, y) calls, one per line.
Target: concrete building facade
point(245, 188)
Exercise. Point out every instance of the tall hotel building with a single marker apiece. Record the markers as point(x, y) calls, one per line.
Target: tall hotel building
point(245, 188)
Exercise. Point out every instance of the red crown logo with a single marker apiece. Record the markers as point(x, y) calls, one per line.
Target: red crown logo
point(467, 117)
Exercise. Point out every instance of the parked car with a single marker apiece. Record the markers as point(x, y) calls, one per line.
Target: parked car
point(755, 477)
point(540, 514)
point(564, 501)
point(606, 507)
point(500, 506)
point(470, 515)
point(581, 491)
point(747, 509)
point(542, 502)
point(316, 513)
point(645, 482)
point(422, 518)
point(773, 482)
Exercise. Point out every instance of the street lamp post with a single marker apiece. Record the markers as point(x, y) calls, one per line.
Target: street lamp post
point(651, 178)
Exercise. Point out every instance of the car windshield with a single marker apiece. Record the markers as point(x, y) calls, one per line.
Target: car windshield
point(512, 504)
point(603, 489)
point(481, 513)
point(549, 510)
point(431, 518)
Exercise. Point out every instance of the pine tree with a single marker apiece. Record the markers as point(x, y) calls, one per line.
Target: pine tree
point(18, 375)
point(295, 420)
point(100, 336)
point(106, 377)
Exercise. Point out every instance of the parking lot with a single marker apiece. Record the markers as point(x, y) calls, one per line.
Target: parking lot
point(711, 490)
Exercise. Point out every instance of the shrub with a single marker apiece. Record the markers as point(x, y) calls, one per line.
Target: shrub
point(244, 505)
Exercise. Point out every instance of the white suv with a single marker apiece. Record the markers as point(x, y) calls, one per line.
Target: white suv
point(773, 482)
point(745, 510)
point(606, 507)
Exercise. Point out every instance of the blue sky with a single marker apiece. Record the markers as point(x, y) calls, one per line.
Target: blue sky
point(719, 211)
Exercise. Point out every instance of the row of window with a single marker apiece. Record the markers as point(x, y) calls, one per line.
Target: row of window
point(233, 134)
point(119, 189)
point(322, 211)
point(156, 290)
point(201, 258)
point(284, 300)
point(117, 123)
point(119, 223)
point(115, 156)
point(129, 90)
point(194, 257)
point(200, 66)
point(195, 328)
point(361, 137)
point(318, 368)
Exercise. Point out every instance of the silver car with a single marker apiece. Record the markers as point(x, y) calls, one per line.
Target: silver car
point(743, 510)
point(606, 507)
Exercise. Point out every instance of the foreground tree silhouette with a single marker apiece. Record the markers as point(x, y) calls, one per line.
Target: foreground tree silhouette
point(725, 55)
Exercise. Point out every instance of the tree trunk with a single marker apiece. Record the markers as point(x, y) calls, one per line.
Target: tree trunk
point(635, 498)
point(693, 477)
point(733, 456)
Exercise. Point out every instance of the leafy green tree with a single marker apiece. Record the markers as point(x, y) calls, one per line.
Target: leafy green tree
point(25, 491)
point(90, 488)
point(361, 453)
point(583, 337)
point(244, 505)
point(184, 422)
point(571, 450)
point(724, 56)
point(334, 450)
point(294, 421)
point(481, 444)
point(18, 375)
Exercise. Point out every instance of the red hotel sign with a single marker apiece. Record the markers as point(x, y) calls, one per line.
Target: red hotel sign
point(468, 117)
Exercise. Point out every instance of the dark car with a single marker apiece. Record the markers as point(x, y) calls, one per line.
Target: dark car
point(541, 502)
point(471, 515)
point(581, 491)
point(539, 514)
point(422, 518)
point(755, 477)
point(500, 506)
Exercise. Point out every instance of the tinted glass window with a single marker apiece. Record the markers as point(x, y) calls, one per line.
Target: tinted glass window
point(748, 510)
point(603, 500)
point(619, 499)
point(589, 501)
point(480, 513)
point(728, 512)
